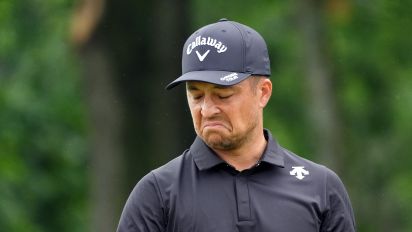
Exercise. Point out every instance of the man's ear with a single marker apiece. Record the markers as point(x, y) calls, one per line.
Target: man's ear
point(265, 89)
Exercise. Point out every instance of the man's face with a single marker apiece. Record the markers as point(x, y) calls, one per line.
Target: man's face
point(226, 117)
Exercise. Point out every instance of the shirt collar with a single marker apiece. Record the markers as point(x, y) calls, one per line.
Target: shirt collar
point(203, 155)
point(272, 154)
point(206, 158)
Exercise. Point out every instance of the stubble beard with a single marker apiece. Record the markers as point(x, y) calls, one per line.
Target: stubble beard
point(228, 141)
point(219, 142)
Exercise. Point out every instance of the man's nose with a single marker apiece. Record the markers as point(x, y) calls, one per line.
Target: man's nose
point(208, 107)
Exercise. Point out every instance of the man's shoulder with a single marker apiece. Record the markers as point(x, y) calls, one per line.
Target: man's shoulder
point(314, 169)
point(298, 160)
point(174, 166)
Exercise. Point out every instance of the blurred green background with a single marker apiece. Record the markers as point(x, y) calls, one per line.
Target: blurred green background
point(83, 112)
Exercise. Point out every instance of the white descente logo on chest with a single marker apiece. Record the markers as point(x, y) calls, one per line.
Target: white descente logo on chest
point(199, 41)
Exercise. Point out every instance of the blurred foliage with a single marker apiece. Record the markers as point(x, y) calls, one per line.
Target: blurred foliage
point(42, 136)
point(43, 162)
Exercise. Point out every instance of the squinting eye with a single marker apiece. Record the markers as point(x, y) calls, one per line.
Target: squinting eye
point(225, 96)
point(197, 97)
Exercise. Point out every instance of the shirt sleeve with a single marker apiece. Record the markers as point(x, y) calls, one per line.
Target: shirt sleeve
point(338, 216)
point(143, 211)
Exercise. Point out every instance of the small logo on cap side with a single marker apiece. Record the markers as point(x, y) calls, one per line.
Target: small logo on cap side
point(230, 77)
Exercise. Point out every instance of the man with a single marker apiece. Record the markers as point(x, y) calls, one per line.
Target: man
point(234, 177)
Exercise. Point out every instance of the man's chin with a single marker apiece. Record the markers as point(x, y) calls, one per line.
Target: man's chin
point(217, 141)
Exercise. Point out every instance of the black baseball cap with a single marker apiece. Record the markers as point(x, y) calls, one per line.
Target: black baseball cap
point(223, 53)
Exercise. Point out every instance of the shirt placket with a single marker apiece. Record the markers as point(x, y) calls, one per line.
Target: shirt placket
point(242, 197)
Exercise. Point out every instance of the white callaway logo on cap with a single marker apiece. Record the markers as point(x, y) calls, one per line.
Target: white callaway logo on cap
point(202, 57)
point(199, 41)
point(230, 77)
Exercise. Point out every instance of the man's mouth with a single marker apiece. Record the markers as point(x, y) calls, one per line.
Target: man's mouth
point(213, 125)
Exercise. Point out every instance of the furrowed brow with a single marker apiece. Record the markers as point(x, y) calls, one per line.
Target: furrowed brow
point(221, 87)
point(191, 87)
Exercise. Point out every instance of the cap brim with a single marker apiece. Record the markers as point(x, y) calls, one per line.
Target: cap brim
point(214, 77)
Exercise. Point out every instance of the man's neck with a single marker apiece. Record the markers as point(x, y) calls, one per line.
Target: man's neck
point(247, 155)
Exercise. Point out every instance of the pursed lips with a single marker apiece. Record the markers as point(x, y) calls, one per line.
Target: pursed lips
point(213, 124)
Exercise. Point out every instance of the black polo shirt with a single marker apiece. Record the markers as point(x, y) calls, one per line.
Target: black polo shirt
point(198, 191)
